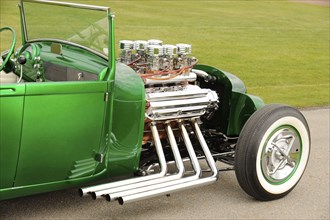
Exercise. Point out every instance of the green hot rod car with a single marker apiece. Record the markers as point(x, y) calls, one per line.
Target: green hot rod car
point(72, 115)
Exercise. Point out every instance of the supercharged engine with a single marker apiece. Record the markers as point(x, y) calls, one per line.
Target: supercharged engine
point(172, 91)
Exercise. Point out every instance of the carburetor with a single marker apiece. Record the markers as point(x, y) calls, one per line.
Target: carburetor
point(152, 57)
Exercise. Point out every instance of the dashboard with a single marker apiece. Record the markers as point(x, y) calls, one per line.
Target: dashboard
point(47, 61)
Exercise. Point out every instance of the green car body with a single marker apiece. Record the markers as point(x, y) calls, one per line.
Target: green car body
point(57, 134)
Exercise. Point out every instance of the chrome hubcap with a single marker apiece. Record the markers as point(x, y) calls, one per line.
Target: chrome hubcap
point(281, 155)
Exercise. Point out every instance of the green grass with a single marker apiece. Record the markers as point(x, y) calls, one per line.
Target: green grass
point(280, 49)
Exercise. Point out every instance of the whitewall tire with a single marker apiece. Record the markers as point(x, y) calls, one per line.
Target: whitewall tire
point(272, 152)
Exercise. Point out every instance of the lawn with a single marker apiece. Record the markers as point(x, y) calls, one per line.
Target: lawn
point(280, 49)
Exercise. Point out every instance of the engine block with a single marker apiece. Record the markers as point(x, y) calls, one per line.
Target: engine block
point(183, 102)
point(170, 82)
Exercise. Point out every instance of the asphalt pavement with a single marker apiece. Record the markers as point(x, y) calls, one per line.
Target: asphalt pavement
point(222, 200)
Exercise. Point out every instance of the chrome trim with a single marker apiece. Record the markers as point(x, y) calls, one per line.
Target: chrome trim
point(71, 5)
point(177, 102)
point(182, 109)
point(179, 116)
point(194, 92)
point(162, 173)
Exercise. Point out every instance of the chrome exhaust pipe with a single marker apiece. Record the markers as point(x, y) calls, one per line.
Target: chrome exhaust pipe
point(165, 181)
point(182, 183)
point(161, 157)
point(208, 155)
point(129, 189)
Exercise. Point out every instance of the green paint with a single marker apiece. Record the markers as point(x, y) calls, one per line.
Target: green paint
point(53, 133)
point(235, 106)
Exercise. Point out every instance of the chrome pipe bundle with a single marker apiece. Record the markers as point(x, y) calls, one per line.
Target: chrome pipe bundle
point(142, 188)
point(180, 184)
point(160, 153)
point(113, 193)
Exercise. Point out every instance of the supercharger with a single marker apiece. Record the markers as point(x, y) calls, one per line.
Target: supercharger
point(172, 91)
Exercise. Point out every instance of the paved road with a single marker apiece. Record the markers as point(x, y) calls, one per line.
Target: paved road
point(224, 199)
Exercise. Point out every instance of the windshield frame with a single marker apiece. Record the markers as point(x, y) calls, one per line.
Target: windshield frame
point(25, 37)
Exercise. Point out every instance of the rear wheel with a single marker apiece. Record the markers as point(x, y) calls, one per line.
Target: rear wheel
point(272, 152)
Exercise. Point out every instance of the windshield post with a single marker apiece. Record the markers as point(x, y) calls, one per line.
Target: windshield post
point(111, 47)
point(23, 25)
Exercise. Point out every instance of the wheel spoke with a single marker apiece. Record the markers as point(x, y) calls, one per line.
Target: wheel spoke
point(293, 138)
point(278, 161)
point(289, 160)
point(276, 168)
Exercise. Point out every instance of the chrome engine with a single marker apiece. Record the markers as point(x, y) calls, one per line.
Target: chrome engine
point(174, 104)
point(170, 81)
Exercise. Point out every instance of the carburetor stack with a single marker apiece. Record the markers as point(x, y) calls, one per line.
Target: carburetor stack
point(169, 78)
point(151, 56)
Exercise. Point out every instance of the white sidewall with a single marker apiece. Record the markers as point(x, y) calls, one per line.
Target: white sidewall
point(282, 188)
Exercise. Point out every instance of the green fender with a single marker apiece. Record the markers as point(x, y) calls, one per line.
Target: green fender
point(235, 105)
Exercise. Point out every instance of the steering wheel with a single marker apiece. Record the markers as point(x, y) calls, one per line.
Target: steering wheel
point(12, 46)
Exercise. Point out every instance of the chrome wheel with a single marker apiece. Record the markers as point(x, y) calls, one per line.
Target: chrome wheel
point(281, 155)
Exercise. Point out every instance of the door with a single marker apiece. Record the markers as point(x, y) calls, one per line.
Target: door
point(61, 131)
point(11, 113)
